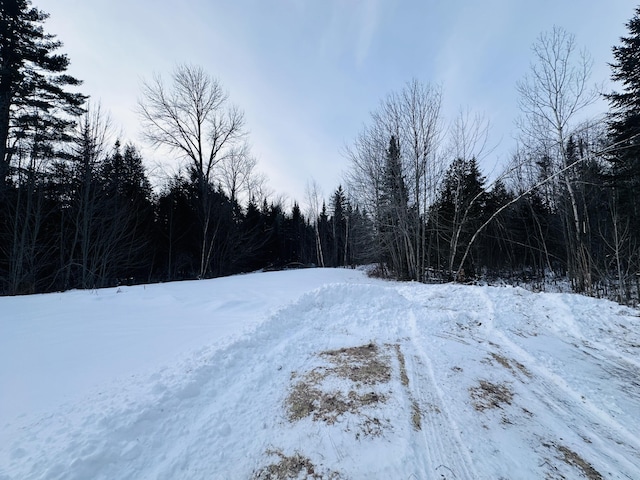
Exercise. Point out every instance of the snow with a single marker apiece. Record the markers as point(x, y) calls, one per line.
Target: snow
point(320, 373)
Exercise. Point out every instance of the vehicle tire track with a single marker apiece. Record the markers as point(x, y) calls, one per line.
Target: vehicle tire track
point(571, 408)
point(445, 452)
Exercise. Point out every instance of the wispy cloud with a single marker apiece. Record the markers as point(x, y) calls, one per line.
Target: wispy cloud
point(349, 30)
point(369, 13)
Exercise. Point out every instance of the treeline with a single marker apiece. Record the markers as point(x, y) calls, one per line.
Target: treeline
point(87, 224)
point(77, 208)
point(566, 206)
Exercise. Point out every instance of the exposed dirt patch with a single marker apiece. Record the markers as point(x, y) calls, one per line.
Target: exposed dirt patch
point(292, 467)
point(313, 395)
point(403, 367)
point(570, 457)
point(510, 364)
point(489, 395)
point(416, 416)
point(416, 412)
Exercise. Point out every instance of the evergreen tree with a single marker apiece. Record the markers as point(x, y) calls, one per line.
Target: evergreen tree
point(361, 242)
point(32, 80)
point(497, 239)
point(393, 217)
point(324, 233)
point(624, 122)
point(36, 113)
point(128, 213)
point(339, 228)
point(301, 238)
point(177, 234)
point(458, 213)
point(253, 227)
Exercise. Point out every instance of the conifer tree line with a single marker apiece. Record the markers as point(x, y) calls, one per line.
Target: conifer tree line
point(78, 210)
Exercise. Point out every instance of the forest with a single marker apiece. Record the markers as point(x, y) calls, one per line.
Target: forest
point(78, 208)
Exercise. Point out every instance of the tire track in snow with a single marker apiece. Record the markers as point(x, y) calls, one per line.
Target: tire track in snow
point(575, 412)
point(217, 419)
point(205, 426)
point(446, 452)
point(571, 408)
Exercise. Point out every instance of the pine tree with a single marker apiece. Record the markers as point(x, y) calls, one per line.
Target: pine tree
point(32, 80)
point(497, 238)
point(36, 113)
point(176, 226)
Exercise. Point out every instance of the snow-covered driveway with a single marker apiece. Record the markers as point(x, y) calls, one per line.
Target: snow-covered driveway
point(318, 374)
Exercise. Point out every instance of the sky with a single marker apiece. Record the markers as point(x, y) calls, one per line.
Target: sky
point(308, 73)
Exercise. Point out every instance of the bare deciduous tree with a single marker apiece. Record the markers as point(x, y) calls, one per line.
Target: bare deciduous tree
point(552, 96)
point(413, 117)
point(193, 117)
point(314, 199)
point(94, 134)
point(239, 177)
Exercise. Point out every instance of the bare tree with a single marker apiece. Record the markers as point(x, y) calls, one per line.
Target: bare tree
point(422, 133)
point(413, 118)
point(25, 214)
point(92, 138)
point(238, 175)
point(552, 96)
point(193, 117)
point(469, 137)
point(314, 200)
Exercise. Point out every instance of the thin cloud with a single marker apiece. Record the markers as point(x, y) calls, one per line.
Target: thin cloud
point(370, 15)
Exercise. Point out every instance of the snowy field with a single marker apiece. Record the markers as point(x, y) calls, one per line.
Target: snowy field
point(322, 374)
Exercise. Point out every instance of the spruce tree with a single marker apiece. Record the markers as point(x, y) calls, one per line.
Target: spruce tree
point(458, 213)
point(624, 121)
point(339, 228)
point(395, 228)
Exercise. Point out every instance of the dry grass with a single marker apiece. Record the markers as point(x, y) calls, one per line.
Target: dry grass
point(306, 399)
point(403, 367)
point(510, 364)
point(416, 416)
point(362, 364)
point(291, 468)
point(573, 459)
point(365, 366)
point(489, 395)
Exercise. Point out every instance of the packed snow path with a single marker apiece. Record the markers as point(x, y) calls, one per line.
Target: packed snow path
point(318, 374)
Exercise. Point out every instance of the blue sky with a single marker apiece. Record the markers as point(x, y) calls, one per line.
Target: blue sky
point(307, 73)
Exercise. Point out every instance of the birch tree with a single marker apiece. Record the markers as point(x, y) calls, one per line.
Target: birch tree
point(314, 201)
point(553, 95)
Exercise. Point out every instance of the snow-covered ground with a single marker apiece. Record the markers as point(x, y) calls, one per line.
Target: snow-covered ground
point(318, 374)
